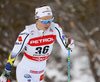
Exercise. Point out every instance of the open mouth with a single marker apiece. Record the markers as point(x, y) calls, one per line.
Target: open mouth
point(46, 27)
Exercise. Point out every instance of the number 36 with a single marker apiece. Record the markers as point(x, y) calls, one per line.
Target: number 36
point(41, 50)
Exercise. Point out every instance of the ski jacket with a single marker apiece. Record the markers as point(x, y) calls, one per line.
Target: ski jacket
point(37, 45)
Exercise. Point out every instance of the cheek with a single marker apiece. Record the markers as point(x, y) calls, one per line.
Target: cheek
point(40, 24)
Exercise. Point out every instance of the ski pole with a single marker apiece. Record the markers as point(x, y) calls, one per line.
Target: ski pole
point(69, 40)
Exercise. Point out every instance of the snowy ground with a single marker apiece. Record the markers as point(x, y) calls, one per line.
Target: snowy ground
point(80, 71)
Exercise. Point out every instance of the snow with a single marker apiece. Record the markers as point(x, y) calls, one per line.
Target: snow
point(80, 70)
point(54, 72)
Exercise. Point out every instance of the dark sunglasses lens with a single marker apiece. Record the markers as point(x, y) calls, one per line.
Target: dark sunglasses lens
point(50, 21)
point(46, 21)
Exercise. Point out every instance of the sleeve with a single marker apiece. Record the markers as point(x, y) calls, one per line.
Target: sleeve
point(60, 37)
point(20, 43)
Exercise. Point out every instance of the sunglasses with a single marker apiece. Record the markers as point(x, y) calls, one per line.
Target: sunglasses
point(46, 21)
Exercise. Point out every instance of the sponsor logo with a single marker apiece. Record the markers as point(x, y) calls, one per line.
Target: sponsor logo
point(36, 72)
point(41, 77)
point(27, 76)
point(47, 8)
point(20, 38)
point(72, 44)
point(63, 37)
point(38, 41)
point(38, 55)
point(32, 32)
point(36, 58)
point(49, 13)
point(46, 11)
point(51, 30)
point(36, 13)
point(29, 80)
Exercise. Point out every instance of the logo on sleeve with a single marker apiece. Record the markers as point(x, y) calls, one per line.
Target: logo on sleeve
point(32, 32)
point(20, 38)
point(63, 37)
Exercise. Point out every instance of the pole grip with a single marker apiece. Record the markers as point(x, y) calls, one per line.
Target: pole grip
point(69, 40)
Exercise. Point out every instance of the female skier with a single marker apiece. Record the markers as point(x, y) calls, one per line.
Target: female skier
point(37, 42)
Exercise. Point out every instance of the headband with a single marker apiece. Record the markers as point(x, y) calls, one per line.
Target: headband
point(43, 11)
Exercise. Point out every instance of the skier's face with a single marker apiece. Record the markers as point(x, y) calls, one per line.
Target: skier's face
point(44, 23)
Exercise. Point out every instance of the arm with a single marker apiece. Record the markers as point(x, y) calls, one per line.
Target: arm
point(18, 47)
point(20, 43)
point(62, 40)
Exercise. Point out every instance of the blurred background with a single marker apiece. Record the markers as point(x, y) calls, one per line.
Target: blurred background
point(79, 19)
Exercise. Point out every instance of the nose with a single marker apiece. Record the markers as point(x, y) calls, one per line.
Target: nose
point(48, 24)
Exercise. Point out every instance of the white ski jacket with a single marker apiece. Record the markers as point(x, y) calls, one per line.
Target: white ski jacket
point(37, 45)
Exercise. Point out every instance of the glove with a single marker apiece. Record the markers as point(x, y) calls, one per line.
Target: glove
point(5, 76)
point(71, 45)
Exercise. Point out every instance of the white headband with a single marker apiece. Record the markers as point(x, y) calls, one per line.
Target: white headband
point(43, 11)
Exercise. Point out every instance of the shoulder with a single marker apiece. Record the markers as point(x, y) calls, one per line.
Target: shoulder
point(26, 30)
point(56, 26)
point(29, 28)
